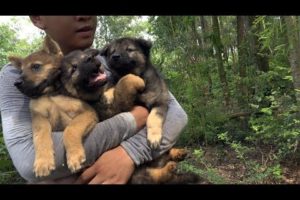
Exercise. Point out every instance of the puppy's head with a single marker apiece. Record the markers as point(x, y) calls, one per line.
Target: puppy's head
point(127, 55)
point(82, 72)
point(39, 70)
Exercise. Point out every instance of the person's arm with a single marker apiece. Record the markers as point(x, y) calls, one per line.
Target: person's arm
point(117, 165)
point(17, 131)
point(137, 147)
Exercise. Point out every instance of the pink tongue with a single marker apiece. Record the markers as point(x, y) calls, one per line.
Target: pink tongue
point(101, 77)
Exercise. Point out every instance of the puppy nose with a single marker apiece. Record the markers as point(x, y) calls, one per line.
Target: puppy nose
point(18, 82)
point(116, 56)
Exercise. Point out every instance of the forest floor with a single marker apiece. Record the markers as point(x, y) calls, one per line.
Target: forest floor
point(216, 165)
point(220, 165)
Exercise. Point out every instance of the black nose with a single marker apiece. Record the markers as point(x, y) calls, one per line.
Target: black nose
point(116, 56)
point(18, 82)
point(95, 70)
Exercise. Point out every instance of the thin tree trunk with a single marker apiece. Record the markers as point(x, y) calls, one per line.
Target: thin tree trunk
point(294, 52)
point(242, 55)
point(259, 54)
point(221, 70)
point(207, 50)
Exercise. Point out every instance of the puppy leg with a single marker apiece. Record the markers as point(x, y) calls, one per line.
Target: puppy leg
point(73, 134)
point(177, 154)
point(44, 161)
point(160, 175)
point(154, 125)
point(126, 91)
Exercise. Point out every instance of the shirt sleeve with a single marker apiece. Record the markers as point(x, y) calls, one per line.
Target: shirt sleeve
point(17, 131)
point(137, 146)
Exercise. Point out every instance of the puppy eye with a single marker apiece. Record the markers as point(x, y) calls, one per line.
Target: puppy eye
point(112, 51)
point(35, 67)
point(89, 59)
point(74, 67)
point(130, 49)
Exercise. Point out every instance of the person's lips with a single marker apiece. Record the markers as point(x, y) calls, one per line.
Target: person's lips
point(85, 31)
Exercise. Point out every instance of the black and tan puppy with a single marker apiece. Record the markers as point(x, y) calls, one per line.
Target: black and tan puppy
point(132, 56)
point(51, 107)
point(91, 86)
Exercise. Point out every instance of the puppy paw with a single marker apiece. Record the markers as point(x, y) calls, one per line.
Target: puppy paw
point(75, 158)
point(178, 154)
point(139, 84)
point(133, 82)
point(154, 137)
point(43, 166)
point(171, 166)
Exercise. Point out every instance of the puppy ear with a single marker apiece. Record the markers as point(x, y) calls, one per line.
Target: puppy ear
point(15, 61)
point(145, 45)
point(104, 51)
point(92, 52)
point(51, 47)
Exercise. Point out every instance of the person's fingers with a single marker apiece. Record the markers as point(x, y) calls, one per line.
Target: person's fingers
point(86, 176)
point(97, 180)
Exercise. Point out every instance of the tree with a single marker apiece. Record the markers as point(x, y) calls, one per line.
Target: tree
point(219, 48)
point(292, 26)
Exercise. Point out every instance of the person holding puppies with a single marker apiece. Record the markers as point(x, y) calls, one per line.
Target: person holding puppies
point(113, 148)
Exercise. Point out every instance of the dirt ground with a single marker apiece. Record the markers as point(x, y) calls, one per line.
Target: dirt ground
point(223, 162)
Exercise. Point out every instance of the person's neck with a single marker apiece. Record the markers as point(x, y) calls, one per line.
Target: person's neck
point(67, 50)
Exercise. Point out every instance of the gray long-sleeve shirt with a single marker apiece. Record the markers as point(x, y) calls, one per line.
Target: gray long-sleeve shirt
point(118, 130)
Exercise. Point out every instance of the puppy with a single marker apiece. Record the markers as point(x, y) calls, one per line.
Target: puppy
point(52, 108)
point(132, 56)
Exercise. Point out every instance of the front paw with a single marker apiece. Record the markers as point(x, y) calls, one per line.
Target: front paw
point(133, 82)
point(75, 158)
point(139, 84)
point(171, 166)
point(43, 166)
point(154, 137)
point(178, 154)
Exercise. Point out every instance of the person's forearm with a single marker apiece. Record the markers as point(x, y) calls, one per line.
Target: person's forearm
point(137, 146)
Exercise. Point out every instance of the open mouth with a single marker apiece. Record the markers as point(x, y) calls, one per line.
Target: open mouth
point(98, 79)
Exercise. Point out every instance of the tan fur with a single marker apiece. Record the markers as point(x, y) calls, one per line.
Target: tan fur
point(73, 134)
point(154, 127)
point(177, 154)
point(78, 118)
point(121, 97)
point(163, 174)
point(56, 112)
point(44, 158)
point(109, 95)
point(132, 82)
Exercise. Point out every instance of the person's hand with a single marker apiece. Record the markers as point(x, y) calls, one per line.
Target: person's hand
point(113, 167)
point(140, 114)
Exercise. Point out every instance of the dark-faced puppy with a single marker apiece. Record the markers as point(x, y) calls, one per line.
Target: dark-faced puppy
point(132, 56)
point(51, 110)
point(92, 86)
point(83, 75)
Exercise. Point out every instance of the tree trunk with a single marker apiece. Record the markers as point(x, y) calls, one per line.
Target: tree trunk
point(218, 45)
point(260, 55)
point(242, 56)
point(294, 52)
